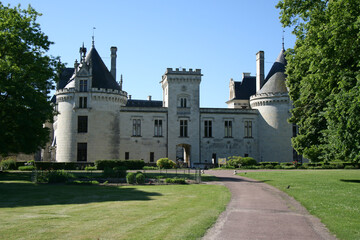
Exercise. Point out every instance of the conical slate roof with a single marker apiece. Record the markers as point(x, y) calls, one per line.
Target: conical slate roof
point(275, 80)
point(101, 77)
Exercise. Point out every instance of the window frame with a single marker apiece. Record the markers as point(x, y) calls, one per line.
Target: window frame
point(208, 128)
point(228, 129)
point(136, 129)
point(83, 124)
point(183, 128)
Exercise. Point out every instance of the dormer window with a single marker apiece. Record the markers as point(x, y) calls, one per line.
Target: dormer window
point(83, 85)
point(183, 103)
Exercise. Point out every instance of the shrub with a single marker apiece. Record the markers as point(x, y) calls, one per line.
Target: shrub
point(278, 167)
point(165, 163)
point(248, 161)
point(58, 176)
point(131, 178)
point(263, 164)
point(8, 164)
point(140, 178)
point(26, 168)
point(268, 166)
point(175, 180)
point(120, 172)
point(116, 172)
point(234, 161)
point(150, 168)
point(349, 167)
point(90, 168)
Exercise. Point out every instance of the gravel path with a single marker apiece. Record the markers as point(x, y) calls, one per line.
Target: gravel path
point(260, 211)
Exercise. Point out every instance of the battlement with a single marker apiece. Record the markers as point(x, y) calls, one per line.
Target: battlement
point(269, 94)
point(94, 90)
point(183, 71)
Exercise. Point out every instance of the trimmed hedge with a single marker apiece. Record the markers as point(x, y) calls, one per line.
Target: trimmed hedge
point(62, 165)
point(26, 168)
point(129, 164)
point(176, 180)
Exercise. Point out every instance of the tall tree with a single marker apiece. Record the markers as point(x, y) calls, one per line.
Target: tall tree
point(324, 76)
point(26, 75)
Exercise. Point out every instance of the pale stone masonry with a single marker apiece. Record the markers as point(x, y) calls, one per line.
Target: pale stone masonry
point(98, 120)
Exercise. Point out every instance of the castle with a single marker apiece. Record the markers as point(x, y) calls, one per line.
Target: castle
point(97, 119)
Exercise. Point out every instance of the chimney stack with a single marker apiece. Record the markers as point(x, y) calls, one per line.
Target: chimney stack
point(259, 70)
point(149, 98)
point(113, 62)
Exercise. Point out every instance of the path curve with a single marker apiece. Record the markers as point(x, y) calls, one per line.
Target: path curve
point(259, 211)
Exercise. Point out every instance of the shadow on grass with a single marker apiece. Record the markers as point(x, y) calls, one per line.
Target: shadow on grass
point(28, 194)
point(350, 180)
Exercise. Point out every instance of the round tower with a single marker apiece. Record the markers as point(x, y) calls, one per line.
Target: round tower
point(88, 100)
point(273, 103)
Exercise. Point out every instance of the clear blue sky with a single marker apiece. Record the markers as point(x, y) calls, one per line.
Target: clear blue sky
point(220, 37)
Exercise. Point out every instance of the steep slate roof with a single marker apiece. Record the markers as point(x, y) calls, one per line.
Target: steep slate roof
point(143, 103)
point(101, 77)
point(65, 76)
point(245, 88)
point(275, 80)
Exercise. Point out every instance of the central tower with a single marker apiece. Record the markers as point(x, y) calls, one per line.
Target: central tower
point(181, 95)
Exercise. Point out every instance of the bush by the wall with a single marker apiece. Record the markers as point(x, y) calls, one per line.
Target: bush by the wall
point(165, 163)
point(175, 180)
point(268, 163)
point(140, 178)
point(234, 161)
point(150, 168)
point(129, 164)
point(131, 178)
point(8, 164)
point(26, 168)
point(248, 161)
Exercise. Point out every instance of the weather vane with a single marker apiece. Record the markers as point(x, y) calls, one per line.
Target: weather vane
point(93, 37)
point(283, 39)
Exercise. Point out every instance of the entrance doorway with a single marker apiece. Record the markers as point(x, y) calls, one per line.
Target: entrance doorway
point(183, 155)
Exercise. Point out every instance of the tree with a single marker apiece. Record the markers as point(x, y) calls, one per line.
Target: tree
point(26, 75)
point(324, 77)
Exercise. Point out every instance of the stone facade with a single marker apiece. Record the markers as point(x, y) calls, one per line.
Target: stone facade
point(98, 120)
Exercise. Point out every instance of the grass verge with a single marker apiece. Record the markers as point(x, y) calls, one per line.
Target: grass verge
point(45, 211)
point(331, 195)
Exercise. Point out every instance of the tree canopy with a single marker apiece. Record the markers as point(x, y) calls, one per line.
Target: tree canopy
point(26, 75)
point(324, 77)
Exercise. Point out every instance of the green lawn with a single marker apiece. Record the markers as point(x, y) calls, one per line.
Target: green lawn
point(331, 195)
point(30, 211)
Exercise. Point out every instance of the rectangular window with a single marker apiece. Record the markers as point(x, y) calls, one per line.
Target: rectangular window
point(82, 124)
point(248, 129)
point(183, 128)
point(136, 127)
point(83, 85)
point(158, 128)
point(82, 102)
point(228, 129)
point(152, 156)
point(208, 128)
point(127, 155)
point(82, 152)
point(183, 103)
